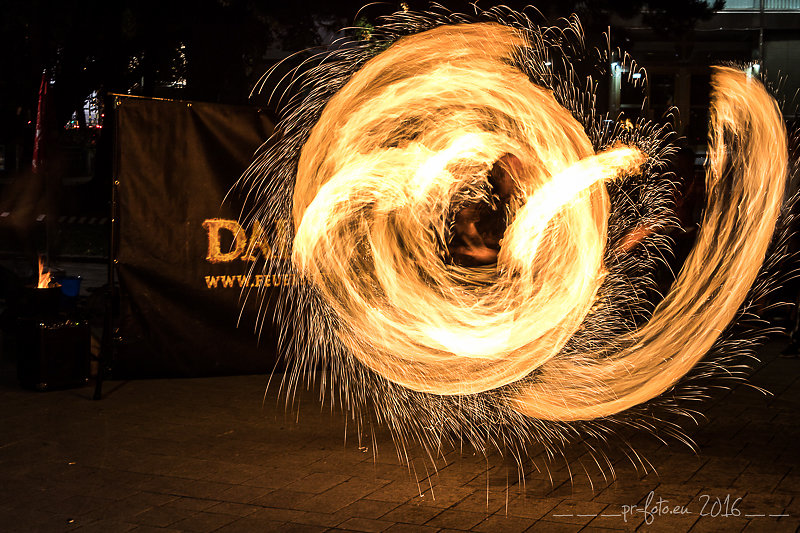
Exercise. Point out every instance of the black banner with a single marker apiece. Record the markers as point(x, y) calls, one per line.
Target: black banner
point(181, 256)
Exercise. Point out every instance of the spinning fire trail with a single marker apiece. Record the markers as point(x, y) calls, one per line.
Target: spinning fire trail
point(465, 227)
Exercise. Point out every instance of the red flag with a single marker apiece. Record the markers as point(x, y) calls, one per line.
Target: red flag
point(38, 152)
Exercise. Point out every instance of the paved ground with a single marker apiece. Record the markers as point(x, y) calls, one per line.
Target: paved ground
point(205, 455)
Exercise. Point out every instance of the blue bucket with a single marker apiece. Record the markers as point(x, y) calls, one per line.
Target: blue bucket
point(70, 286)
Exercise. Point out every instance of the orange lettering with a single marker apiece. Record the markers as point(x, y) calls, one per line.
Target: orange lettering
point(214, 226)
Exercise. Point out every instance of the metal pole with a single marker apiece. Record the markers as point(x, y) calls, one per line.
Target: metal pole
point(107, 343)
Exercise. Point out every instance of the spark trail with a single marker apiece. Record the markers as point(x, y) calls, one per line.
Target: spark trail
point(457, 209)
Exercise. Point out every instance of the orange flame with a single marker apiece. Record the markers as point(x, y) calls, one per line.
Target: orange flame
point(358, 197)
point(45, 278)
point(369, 211)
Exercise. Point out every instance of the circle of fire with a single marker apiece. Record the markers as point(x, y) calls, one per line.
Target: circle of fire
point(458, 216)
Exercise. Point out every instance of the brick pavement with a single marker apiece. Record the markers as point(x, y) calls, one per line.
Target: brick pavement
point(204, 455)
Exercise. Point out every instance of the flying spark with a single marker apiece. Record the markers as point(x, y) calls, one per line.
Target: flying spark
point(478, 244)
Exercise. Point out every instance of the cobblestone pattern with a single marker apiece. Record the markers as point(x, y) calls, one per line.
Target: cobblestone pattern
point(204, 455)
